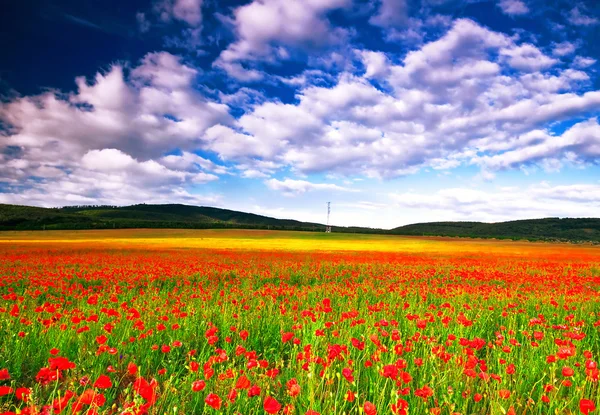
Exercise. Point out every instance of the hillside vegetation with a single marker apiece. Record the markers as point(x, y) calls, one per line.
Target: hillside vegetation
point(567, 229)
point(13, 217)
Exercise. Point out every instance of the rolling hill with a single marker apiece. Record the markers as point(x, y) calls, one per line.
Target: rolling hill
point(566, 229)
point(14, 217)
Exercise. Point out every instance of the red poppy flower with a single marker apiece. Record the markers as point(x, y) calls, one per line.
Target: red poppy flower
point(232, 395)
point(103, 382)
point(242, 383)
point(400, 408)
point(61, 403)
point(369, 408)
point(5, 390)
point(504, 393)
point(253, 391)
point(22, 394)
point(213, 400)
point(198, 385)
point(567, 371)
point(194, 366)
point(586, 406)
point(89, 397)
point(271, 406)
point(347, 374)
point(425, 392)
point(293, 387)
point(132, 368)
point(146, 390)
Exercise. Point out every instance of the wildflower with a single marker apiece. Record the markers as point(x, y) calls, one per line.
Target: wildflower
point(586, 406)
point(213, 400)
point(103, 382)
point(271, 406)
point(369, 408)
point(198, 385)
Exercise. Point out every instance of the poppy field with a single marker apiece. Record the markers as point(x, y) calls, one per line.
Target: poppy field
point(242, 322)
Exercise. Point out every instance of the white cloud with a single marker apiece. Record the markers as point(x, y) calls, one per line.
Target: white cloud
point(146, 115)
point(190, 161)
point(451, 102)
point(108, 176)
point(230, 144)
point(109, 159)
point(583, 139)
point(254, 174)
point(446, 104)
point(564, 48)
point(113, 161)
point(113, 130)
point(292, 187)
point(578, 17)
point(189, 11)
point(527, 57)
point(552, 83)
point(390, 13)
point(291, 24)
point(376, 63)
point(583, 62)
point(513, 7)
point(163, 70)
point(536, 201)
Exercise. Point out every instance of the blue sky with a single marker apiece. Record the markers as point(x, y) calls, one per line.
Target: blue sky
point(396, 111)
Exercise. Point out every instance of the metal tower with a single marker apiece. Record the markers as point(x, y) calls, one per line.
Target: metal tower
point(328, 227)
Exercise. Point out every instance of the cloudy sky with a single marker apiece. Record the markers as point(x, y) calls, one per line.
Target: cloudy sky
point(396, 111)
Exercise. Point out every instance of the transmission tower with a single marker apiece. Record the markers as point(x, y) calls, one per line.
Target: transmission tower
point(328, 227)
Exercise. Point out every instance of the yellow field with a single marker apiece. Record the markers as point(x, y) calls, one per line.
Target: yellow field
point(294, 241)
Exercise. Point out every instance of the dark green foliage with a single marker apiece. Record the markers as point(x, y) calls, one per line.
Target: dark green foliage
point(567, 229)
point(14, 217)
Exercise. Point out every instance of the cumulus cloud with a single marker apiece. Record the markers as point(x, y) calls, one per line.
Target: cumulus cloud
point(292, 187)
point(153, 110)
point(527, 57)
point(106, 176)
point(445, 104)
point(114, 131)
point(470, 96)
point(190, 161)
point(390, 13)
point(188, 11)
point(564, 48)
point(376, 64)
point(580, 141)
point(266, 30)
point(513, 7)
point(536, 201)
point(578, 17)
point(583, 61)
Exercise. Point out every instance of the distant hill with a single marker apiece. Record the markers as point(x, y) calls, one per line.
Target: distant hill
point(14, 217)
point(567, 229)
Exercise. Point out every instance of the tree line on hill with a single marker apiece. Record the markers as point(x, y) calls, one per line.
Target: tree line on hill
point(176, 216)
